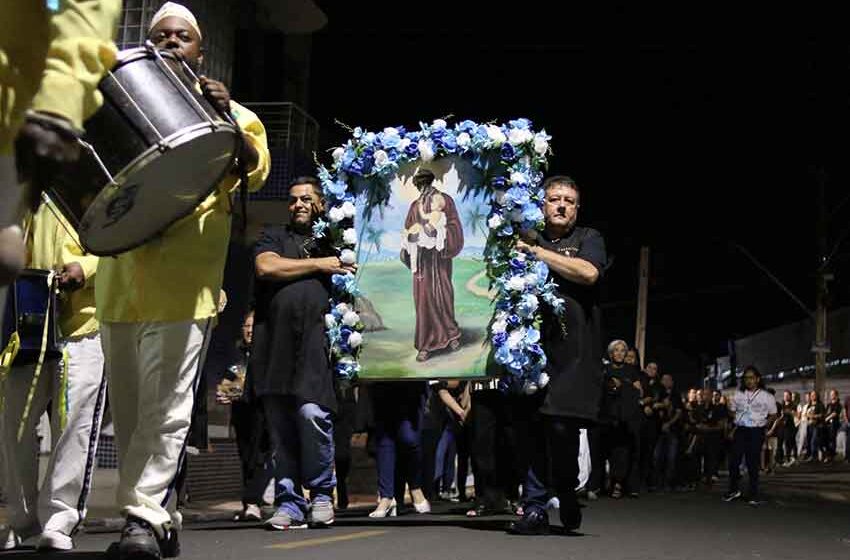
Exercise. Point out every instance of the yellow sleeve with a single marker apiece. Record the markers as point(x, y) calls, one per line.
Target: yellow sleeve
point(81, 51)
point(254, 131)
point(72, 252)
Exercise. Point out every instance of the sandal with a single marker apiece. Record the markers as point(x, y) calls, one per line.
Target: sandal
point(617, 492)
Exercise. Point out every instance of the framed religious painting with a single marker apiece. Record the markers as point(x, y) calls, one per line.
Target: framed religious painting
point(431, 217)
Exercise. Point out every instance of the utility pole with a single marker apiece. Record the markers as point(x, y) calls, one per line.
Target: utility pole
point(643, 292)
point(821, 345)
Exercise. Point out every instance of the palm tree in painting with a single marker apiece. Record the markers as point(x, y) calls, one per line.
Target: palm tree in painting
point(476, 220)
point(372, 239)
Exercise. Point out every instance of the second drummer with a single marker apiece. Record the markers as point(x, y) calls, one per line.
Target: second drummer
point(156, 304)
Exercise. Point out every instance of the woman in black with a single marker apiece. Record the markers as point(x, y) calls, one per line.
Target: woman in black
point(616, 437)
point(833, 424)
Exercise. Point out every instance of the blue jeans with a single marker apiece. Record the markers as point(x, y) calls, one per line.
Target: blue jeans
point(666, 453)
point(302, 439)
point(398, 410)
point(747, 445)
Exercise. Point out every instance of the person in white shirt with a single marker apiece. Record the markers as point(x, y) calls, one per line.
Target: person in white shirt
point(753, 409)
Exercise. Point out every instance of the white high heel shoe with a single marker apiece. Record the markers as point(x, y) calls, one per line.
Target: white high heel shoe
point(422, 507)
point(391, 511)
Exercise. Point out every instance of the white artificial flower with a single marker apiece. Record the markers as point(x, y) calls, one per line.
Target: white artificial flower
point(390, 131)
point(499, 326)
point(495, 134)
point(463, 139)
point(381, 158)
point(336, 214)
point(348, 210)
point(531, 279)
point(338, 154)
point(347, 256)
point(349, 236)
point(515, 339)
point(519, 136)
point(370, 138)
point(541, 145)
point(355, 339)
point(439, 124)
point(342, 308)
point(495, 221)
point(426, 151)
point(516, 283)
point(544, 379)
point(405, 142)
point(518, 178)
point(330, 320)
point(350, 319)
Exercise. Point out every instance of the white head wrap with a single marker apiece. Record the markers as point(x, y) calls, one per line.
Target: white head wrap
point(174, 9)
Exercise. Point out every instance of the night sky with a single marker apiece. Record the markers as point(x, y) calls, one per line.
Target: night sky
point(685, 132)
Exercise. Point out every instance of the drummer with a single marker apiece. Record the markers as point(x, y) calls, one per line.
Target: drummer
point(73, 387)
point(156, 305)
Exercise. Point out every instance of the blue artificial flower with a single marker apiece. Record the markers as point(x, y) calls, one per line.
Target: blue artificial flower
point(319, 228)
point(345, 283)
point(506, 230)
point(358, 132)
point(502, 355)
point(532, 213)
point(389, 139)
point(532, 335)
point(522, 124)
point(348, 158)
point(450, 143)
point(412, 150)
point(499, 339)
point(516, 196)
point(498, 182)
point(467, 126)
point(535, 349)
point(508, 152)
point(517, 265)
point(336, 188)
point(514, 321)
point(527, 307)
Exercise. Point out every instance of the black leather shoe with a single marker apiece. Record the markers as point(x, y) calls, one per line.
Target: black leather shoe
point(138, 541)
point(533, 522)
point(571, 518)
point(169, 547)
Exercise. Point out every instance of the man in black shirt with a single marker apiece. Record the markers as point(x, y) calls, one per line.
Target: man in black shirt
point(576, 258)
point(669, 410)
point(290, 365)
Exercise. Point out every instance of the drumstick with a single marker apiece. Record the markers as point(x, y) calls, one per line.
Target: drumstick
point(53, 210)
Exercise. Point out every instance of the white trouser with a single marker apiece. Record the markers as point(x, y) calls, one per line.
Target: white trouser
point(62, 500)
point(63, 496)
point(583, 459)
point(153, 371)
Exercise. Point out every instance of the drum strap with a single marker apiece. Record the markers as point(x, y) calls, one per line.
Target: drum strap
point(7, 357)
point(62, 396)
point(40, 365)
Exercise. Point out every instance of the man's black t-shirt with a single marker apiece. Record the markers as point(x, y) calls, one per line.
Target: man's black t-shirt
point(290, 355)
point(575, 359)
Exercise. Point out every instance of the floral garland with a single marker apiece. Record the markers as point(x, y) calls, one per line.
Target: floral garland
point(511, 158)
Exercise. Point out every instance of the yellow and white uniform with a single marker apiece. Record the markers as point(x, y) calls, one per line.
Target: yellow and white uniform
point(156, 305)
point(78, 403)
